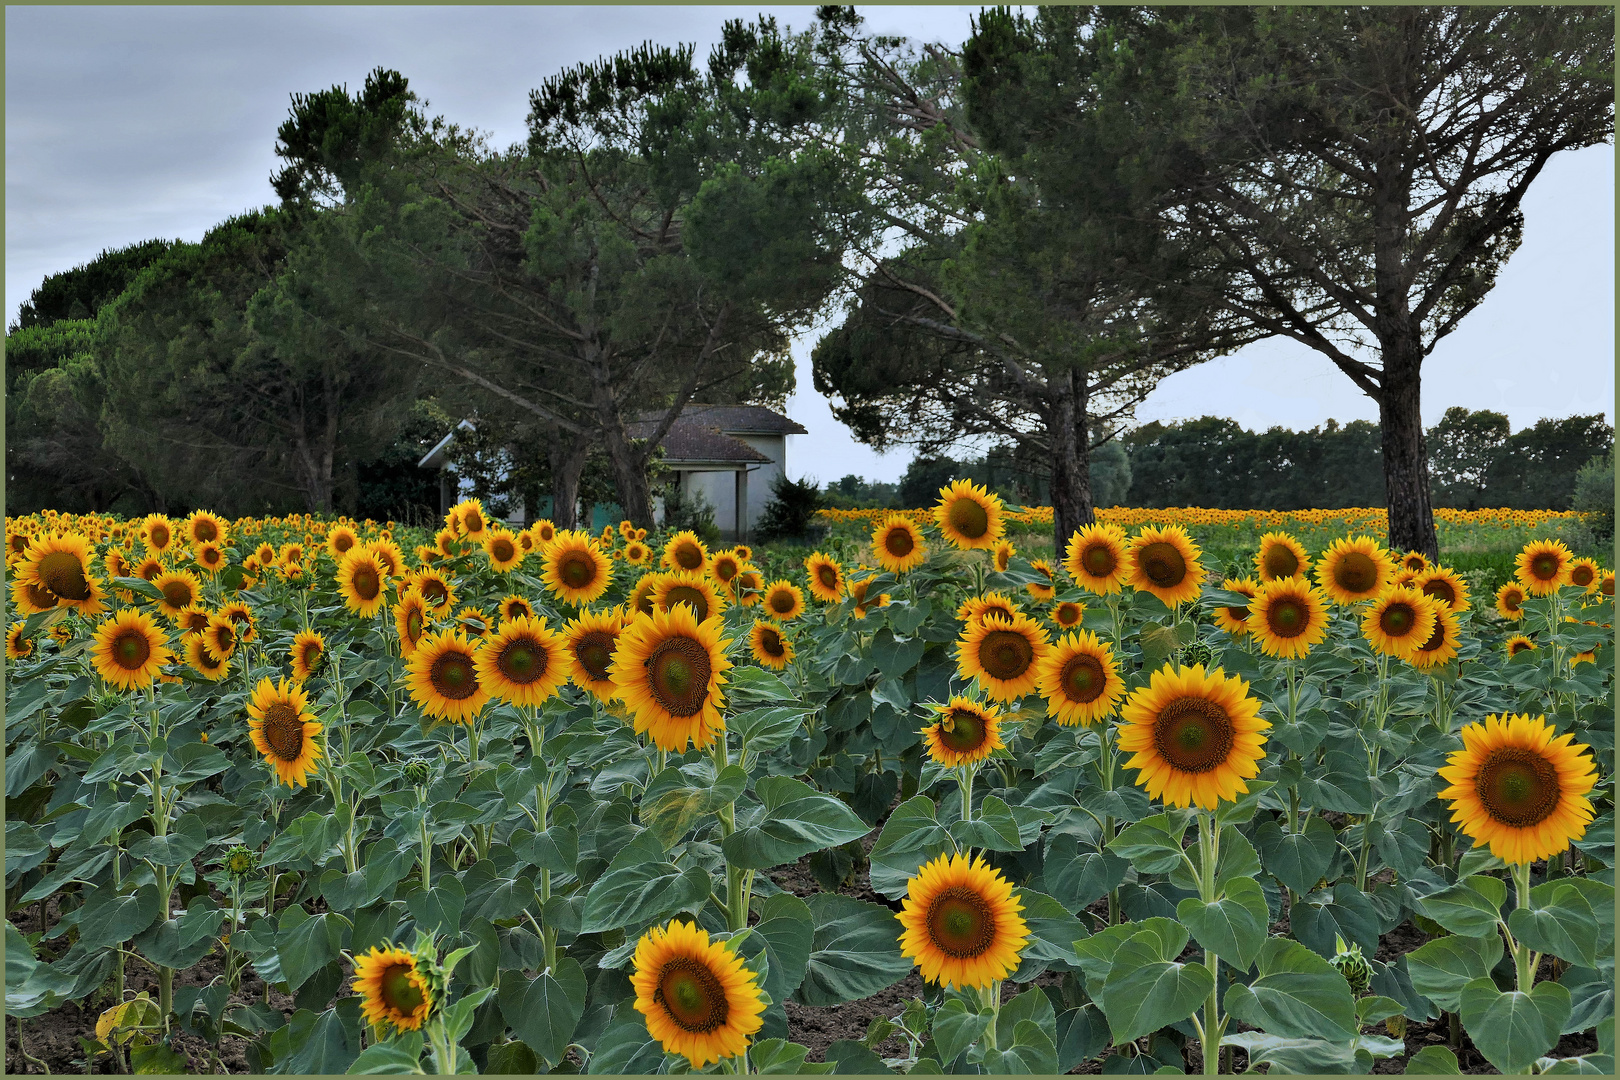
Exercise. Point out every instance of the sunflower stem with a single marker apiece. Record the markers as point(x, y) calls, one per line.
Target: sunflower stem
point(1523, 958)
point(1209, 852)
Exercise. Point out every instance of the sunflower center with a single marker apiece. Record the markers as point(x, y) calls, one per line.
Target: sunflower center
point(692, 995)
point(131, 650)
point(678, 675)
point(206, 661)
point(1193, 734)
point(413, 624)
point(962, 731)
point(342, 543)
point(223, 637)
point(688, 557)
point(454, 676)
point(898, 543)
point(522, 661)
point(1083, 679)
point(205, 530)
point(1240, 614)
point(771, 642)
point(828, 577)
point(997, 609)
point(1287, 618)
point(366, 583)
point(594, 652)
point(968, 518)
point(1544, 567)
point(1005, 654)
point(577, 570)
point(1397, 620)
point(1582, 576)
point(1068, 614)
point(474, 522)
point(725, 569)
point(1441, 590)
point(178, 594)
point(63, 574)
point(502, 549)
point(692, 597)
point(399, 991)
point(283, 731)
point(1163, 564)
point(1518, 787)
point(960, 923)
point(1356, 573)
point(1280, 562)
point(312, 656)
point(1436, 639)
point(160, 536)
point(781, 601)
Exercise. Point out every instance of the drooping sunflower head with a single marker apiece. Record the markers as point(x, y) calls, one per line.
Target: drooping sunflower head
point(18, 646)
point(1079, 679)
point(516, 607)
point(363, 581)
point(284, 731)
point(472, 622)
point(1510, 601)
point(783, 600)
point(1398, 621)
point(180, 589)
point(157, 533)
point(1444, 584)
point(413, 618)
point(962, 924)
point(978, 608)
point(1003, 655)
point(1289, 617)
point(219, 637)
point(695, 591)
point(60, 563)
point(575, 568)
point(748, 587)
point(770, 648)
point(592, 640)
point(308, 655)
point(523, 663)
point(1095, 559)
point(685, 551)
point(1234, 620)
point(393, 992)
point(1165, 562)
point(204, 662)
point(1583, 572)
point(1194, 735)
point(636, 553)
point(1520, 788)
point(1067, 614)
point(1517, 644)
point(1415, 561)
point(1441, 644)
point(1353, 569)
point(669, 670)
point(898, 544)
point(699, 999)
point(339, 540)
point(443, 676)
point(1280, 556)
point(1046, 588)
point(1544, 566)
point(826, 578)
point(503, 550)
point(969, 516)
point(1001, 558)
point(966, 733)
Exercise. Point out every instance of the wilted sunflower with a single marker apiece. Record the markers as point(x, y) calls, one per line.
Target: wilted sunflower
point(308, 654)
point(437, 590)
point(516, 607)
point(1280, 556)
point(723, 566)
point(1289, 617)
point(1517, 644)
point(18, 647)
point(1095, 559)
point(524, 662)
point(31, 599)
point(769, 647)
point(1002, 654)
point(1165, 563)
point(697, 593)
point(575, 569)
point(61, 564)
point(748, 587)
point(219, 637)
point(284, 730)
point(699, 1000)
point(392, 991)
point(863, 602)
point(962, 923)
point(783, 600)
point(969, 516)
point(1442, 642)
point(1415, 561)
point(157, 533)
point(1234, 620)
point(339, 540)
point(965, 733)
point(443, 677)
point(1353, 569)
point(1543, 567)
point(204, 662)
point(897, 544)
point(1518, 789)
point(1195, 736)
point(592, 640)
point(543, 531)
point(826, 578)
point(1042, 590)
point(1510, 601)
point(363, 582)
point(636, 553)
point(180, 589)
point(1067, 613)
point(1079, 679)
point(978, 608)
point(1398, 621)
point(412, 619)
point(1583, 572)
point(472, 622)
point(684, 551)
point(503, 550)
point(1442, 583)
point(1001, 558)
point(669, 669)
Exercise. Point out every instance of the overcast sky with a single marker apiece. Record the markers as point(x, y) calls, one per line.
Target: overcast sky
point(128, 123)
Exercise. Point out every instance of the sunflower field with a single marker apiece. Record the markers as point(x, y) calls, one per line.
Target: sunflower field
point(283, 798)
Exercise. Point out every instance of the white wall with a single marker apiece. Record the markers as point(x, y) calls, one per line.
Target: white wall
point(719, 488)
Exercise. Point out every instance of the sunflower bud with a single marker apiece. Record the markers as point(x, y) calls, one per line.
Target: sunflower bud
point(418, 771)
point(241, 861)
point(1353, 966)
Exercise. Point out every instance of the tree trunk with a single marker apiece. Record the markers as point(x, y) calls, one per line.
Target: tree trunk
point(1070, 437)
point(629, 467)
point(566, 454)
point(1406, 456)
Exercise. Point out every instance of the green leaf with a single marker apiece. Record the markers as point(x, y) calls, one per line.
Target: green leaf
point(895, 657)
point(1234, 926)
point(438, 908)
point(993, 828)
point(309, 944)
point(149, 1059)
point(189, 837)
point(1440, 968)
point(1145, 993)
point(1081, 1033)
point(625, 1049)
point(1463, 908)
point(1075, 878)
point(911, 837)
point(1052, 934)
point(850, 1058)
point(679, 797)
point(780, 1057)
point(139, 586)
point(956, 1027)
point(1564, 926)
point(1513, 1029)
point(1299, 859)
point(1433, 1061)
point(109, 919)
point(1585, 1065)
point(641, 893)
point(763, 730)
point(1297, 995)
point(1241, 810)
point(1153, 845)
point(544, 1012)
point(786, 931)
point(1031, 1052)
point(855, 952)
point(1281, 1054)
point(795, 821)
point(399, 1056)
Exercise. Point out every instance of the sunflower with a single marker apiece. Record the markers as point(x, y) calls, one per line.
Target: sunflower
point(1415, 561)
point(695, 592)
point(1442, 642)
point(641, 597)
point(783, 600)
point(443, 676)
point(31, 599)
point(1195, 736)
point(627, 530)
point(1165, 563)
point(1079, 679)
point(1353, 569)
point(1095, 559)
point(472, 622)
point(575, 569)
point(447, 542)
point(1518, 789)
point(723, 566)
point(504, 552)
point(857, 594)
point(308, 653)
point(1583, 572)
point(115, 562)
point(1067, 613)
point(392, 991)
point(592, 640)
point(388, 555)
point(437, 590)
point(826, 578)
point(157, 533)
point(1004, 655)
point(962, 923)
point(61, 564)
point(290, 555)
point(769, 647)
point(978, 608)
point(472, 520)
point(525, 540)
point(1398, 621)
point(685, 551)
point(193, 620)
point(1001, 558)
point(204, 662)
point(748, 586)
point(965, 733)
point(1442, 583)
point(339, 539)
point(636, 553)
point(516, 607)
point(698, 998)
point(219, 637)
point(204, 528)
point(363, 582)
point(180, 589)
point(1289, 617)
point(209, 557)
point(1234, 620)
point(265, 553)
point(898, 544)
point(969, 516)
point(1510, 601)
point(1605, 585)
point(18, 647)
point(669, 669)
point(1517, 644)
point(1280, 556)
point(283, 730)
point(412, 619)
point(1543, 566)
point(523, 663)
point(1042, 590)
point(543, 531)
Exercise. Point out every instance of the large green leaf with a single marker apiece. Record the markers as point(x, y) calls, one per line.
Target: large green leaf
point(1297, 859)
point(957, 1027)
point(896, 656)
point(438, 908)
point(1153, 845)
point(1232, 927)
point(1440, 968)
point(1145, 991)
point(1297, 995)
point(786, 931)
point(993, 827)
point(643, 892)
point(678, 798)
point(794, 821)
point(1030, 1051)
point(1075, 877)
point(855, 951)
point(625, 1048)
point(911, 837)
point(188, 836)
point(110, 918)
point(545, 1011)
point(1563, 925)
point(1433, 1061)
point(1052, 934)
point(1512, 1029)
point(1465, 908)
point(306, 945)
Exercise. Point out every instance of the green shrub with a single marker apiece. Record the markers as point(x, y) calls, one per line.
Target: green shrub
point(1594, 495)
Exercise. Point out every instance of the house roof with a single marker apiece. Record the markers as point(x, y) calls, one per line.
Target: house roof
point(695, 443)
point(735, 419)
point(436, 457)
